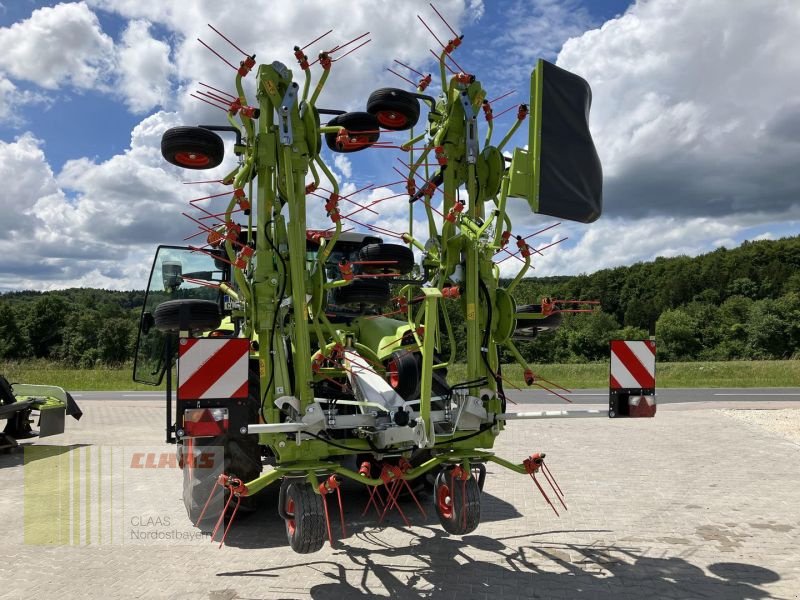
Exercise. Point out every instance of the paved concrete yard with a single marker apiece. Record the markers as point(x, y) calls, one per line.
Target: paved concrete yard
point(692, 504)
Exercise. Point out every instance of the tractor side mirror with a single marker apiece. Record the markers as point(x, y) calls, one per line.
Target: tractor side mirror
point(147, 323)
point(171, 274)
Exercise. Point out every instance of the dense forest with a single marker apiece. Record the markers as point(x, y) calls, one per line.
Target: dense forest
point(729, 304)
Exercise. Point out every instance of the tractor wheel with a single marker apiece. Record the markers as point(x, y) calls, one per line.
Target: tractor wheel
point(403, 373)
point(201, 315)
point(363, 291)
point(199, 479)
point(363, 129)
point(305, 517)
point(400, 257)
point(241, 458)
point(395, 109)
point(458, 503)
point(192, 147)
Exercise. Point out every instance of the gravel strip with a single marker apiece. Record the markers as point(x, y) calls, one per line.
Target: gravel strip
point(784, 422)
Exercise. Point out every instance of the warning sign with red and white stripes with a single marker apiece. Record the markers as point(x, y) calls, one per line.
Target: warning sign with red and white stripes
point(212, 368)
point(633, 364)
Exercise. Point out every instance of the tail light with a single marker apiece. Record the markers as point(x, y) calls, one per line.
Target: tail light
point(205, 421)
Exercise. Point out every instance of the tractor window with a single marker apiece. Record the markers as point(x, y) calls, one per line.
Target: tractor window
point(177, 273)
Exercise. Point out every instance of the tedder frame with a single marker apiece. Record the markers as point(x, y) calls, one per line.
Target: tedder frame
point(323, 354)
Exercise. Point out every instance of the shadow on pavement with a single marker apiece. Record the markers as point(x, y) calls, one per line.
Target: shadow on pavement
point(28, 452)
point(440, 566)
point(264, 528)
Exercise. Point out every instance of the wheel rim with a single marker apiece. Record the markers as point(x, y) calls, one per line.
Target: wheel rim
point(444, 501)
point(192, 159)
point(290, 525)
point(390, 118)
point(394, 374)
point(361, 139)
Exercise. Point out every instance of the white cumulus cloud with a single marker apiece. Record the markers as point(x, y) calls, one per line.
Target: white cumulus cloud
point(695, 111)
point(56, 46)
point(144, 68)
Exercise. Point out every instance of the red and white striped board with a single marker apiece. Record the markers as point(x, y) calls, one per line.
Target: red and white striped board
point(633, 365)
point(212, 368)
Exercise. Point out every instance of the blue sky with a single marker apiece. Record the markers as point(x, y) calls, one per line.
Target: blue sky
point(694, 117)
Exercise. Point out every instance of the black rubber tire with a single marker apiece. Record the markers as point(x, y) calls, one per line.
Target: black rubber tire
point(363, 291)
point(394, 109)
point(551, 321)
point(198, 483)
point(403, 373)
point(242, 459)
point(461, 514)
point(401, 256)
point(354, 122)
point(305, 529)
point(203, 315)
point(192, 148)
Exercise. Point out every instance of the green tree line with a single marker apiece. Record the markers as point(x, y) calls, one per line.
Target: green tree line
point(78, 327)
point(742, 303)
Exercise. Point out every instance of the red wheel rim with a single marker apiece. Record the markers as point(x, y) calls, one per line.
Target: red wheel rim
point(192, 159)
point(394, 374)
point(444, 502)
point(389, 118)
point(290, 526)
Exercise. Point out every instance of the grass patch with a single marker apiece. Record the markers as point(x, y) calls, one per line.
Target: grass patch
point(72, 379)
point(735, 374)
point(749, 373)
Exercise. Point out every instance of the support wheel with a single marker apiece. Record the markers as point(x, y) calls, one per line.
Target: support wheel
point(399, 259)
point(199, 315)
point(362, 127)
point(395, 109)
point(192, 148)
point(458, 503)
point(403, 373)
point(363, 291)
point(305, 517)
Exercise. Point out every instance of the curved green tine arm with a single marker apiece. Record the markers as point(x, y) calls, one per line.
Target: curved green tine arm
point(510, 133)
point(410, 143)
point(238, 275)
point(509, 345)
point(320, 85)
point(501, 212)
point(326, 250)
point(442, 72)
point(306, 83)
point(329, 327)
point(464, 458)
point(489, 131)
point(314, 173)
point(520, 275)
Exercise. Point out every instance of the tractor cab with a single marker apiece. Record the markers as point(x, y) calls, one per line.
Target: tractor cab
point(179, 277)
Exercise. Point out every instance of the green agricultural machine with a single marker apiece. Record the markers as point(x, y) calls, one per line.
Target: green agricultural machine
point(21, 403)
point(310, 356)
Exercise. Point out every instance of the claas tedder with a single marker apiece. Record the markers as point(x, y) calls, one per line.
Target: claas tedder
point(310, 356)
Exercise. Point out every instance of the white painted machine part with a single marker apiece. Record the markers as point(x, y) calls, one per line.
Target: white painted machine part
point(554, 414)
point(276, 427)
point(367, 384)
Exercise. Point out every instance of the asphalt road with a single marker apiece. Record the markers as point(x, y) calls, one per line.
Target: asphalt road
point(596, 396)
